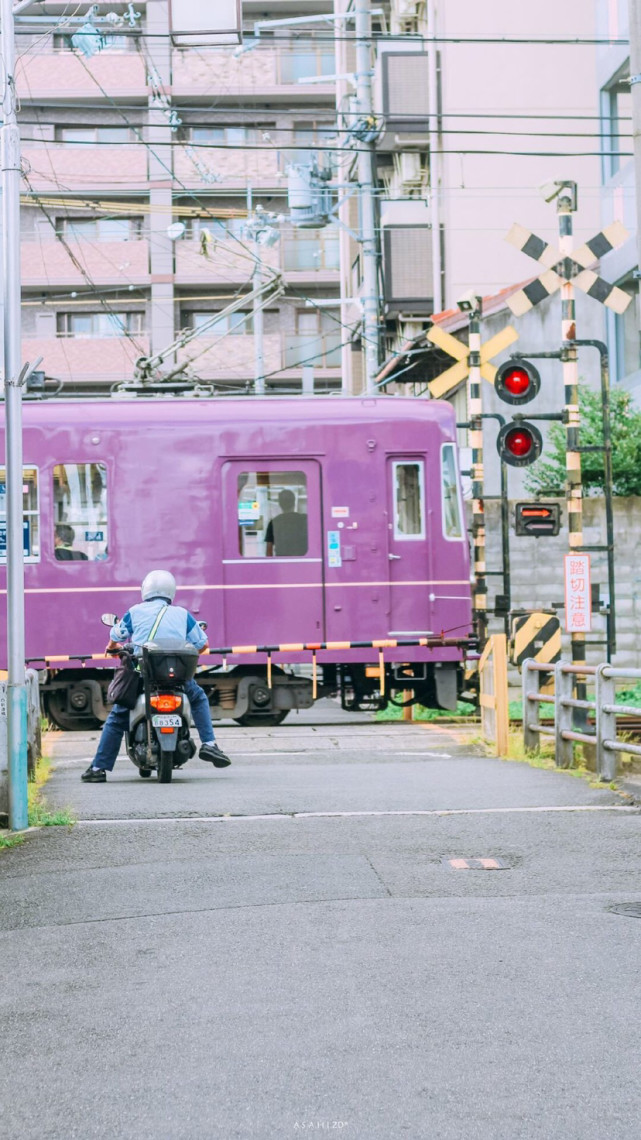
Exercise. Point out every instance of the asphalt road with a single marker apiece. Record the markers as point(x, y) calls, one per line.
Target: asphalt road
point(286, 947)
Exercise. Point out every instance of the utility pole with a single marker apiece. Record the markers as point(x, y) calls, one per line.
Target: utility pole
point(366, 160)
point(258, 327)
point(634, 9)
point(17, 681)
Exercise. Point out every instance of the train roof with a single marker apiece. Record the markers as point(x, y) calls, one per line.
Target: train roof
point(276, 410)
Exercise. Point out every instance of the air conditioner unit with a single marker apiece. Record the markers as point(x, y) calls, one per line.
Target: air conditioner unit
point(408, 271)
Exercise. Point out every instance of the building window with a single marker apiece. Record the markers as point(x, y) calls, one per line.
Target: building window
point(80, 512)
point(305, 59)
point(617, 124)
point(82, 136)
point(30, 517)
point(317, 341)
point(98, 324)
point(272, 514)
point(409, 500)
point(311, 249)
point(99, 229)
point(222, 136)
point(223, 229)
point(307, 137)
point(452, 524)
point(232, 324)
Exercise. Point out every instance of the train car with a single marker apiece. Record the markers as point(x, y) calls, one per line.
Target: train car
point(285, 521)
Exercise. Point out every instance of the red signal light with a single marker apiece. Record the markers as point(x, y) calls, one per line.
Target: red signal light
point(517, 382)
point(519, 444)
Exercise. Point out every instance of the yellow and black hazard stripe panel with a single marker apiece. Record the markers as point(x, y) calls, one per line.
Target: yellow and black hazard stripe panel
point(535, 635)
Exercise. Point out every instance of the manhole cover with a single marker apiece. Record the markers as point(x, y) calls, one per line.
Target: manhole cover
point(488, 864)
point(630, 910)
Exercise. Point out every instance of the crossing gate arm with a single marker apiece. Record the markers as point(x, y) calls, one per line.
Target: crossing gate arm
point(494, 694)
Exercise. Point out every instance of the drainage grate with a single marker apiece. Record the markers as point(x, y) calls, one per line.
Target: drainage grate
point(630, 910)
point(489, 864)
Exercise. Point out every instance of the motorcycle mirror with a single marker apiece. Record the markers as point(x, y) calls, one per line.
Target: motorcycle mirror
point(109, 619)
point(203, 625)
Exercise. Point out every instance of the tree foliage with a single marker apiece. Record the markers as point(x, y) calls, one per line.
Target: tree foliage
point(547, 477)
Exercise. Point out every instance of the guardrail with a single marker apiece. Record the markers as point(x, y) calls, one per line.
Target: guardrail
point(568, 729)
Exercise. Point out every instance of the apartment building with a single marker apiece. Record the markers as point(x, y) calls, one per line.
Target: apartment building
point(139, 164)
point(474, 114)
point(618, 202)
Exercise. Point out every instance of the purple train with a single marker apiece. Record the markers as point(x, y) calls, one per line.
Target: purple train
point(285, 521)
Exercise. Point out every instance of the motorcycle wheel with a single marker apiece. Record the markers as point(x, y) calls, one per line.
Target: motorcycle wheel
point(165, 767)
point(145, 773)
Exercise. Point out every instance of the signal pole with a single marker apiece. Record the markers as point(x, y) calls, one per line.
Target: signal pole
point(366, 158)
point(634, 10)
point(566, 205)
point(475, 436)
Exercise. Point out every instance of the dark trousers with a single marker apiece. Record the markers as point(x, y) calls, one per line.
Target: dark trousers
point(117, 724)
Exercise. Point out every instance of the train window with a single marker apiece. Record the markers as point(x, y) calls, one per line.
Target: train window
point(409, 500)
point(452, 522)
point(272, 514)
point(30, 518)
point(80, 512)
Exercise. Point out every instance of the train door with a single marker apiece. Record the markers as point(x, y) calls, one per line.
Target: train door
point(272, 551)
point(408, 547)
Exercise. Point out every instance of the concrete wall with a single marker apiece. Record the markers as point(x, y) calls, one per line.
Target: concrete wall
point(537, 571)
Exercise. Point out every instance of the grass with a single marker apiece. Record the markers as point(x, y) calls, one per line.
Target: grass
point(7, 841)
point(393, 713)
point(39, 813)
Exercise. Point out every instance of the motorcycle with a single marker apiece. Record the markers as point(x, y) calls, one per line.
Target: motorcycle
point(158, 738)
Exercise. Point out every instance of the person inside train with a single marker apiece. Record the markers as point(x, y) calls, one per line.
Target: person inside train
point(286, 534)
point(158, 591)
point(63, 540)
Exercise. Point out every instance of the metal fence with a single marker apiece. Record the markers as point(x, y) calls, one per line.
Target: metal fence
point(494, 693)
point(572, 712)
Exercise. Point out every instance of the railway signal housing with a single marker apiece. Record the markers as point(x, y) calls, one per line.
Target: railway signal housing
point(517, 382)
point(519, 443)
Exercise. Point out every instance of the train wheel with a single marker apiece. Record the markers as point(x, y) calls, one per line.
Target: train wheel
point(60, 714)
point(256, 720)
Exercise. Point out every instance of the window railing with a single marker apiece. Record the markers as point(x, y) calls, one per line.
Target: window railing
point(309, 252)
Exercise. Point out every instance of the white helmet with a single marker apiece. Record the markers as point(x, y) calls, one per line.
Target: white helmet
point(159, 584)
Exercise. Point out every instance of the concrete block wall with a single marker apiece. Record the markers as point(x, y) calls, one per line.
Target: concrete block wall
point(537, 571)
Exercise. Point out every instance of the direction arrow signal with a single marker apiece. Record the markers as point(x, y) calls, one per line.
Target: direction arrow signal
point(452, 377)
point(575, 268)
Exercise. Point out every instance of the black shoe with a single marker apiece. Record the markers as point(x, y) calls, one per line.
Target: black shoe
point(212, 753)
point(94, 776)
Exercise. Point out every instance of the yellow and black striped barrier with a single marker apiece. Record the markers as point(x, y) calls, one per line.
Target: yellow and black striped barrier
point(536, 635)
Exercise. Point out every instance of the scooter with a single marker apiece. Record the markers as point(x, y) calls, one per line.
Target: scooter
point(158, 736)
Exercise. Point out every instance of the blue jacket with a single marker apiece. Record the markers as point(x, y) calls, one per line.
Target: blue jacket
point(138, 622)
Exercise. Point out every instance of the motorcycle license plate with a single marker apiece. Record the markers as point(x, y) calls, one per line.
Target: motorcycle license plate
point(166, 721)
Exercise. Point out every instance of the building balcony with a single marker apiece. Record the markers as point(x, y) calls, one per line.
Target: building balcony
point(265, 73)
point(60, 76)
point(54, 167)
point(230, 359)
point(226, 262)
point(47, 263)
point(235, 168)
point(80, 360)
point(303, 261)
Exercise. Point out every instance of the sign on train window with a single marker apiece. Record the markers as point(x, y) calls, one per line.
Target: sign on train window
point(272, 514)
point(409, 499)
point(30, 518)
point(80, 512)
point(452, 522)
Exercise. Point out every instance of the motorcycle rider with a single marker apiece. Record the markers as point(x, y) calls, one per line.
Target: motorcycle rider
point(158, 592)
